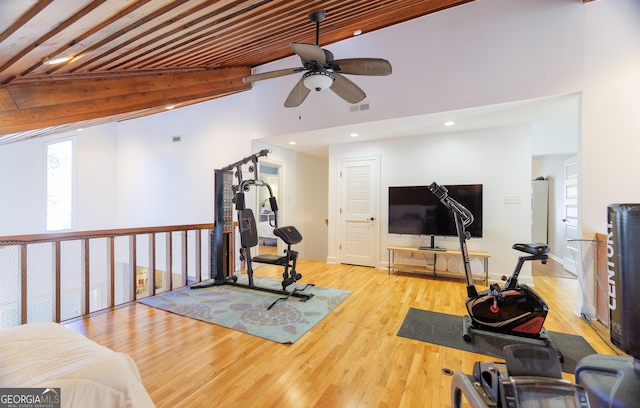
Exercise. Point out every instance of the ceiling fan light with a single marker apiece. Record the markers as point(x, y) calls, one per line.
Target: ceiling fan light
point(318, 80)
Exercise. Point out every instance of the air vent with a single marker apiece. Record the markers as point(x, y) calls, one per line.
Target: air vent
point(177, 138)
point(363, 107)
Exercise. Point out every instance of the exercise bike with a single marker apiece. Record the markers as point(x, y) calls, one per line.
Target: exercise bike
point(531, 376)
point(512, 309)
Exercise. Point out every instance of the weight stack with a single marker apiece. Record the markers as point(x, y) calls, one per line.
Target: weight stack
point(623, 269)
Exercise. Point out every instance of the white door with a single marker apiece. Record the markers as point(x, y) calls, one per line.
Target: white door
point(358, 211)
point(571, 220)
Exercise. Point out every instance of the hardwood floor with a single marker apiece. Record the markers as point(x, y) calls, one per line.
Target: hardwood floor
point(267, 249)
point(352, 358)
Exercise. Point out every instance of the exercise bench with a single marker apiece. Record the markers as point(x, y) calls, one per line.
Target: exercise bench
point(290, 236)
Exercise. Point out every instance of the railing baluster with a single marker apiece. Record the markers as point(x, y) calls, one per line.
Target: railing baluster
point(151, 276)
point(169, 254)
point(198, 251)
point(132, 264)
point(57, 281)
point(23, 283)
point(112, 271)
point(185, 263)
point(208, 249)
point(86, 287)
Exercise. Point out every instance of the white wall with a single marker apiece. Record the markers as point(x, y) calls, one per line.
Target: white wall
point(24, 186)
point(24, 182)
point(559, 131)
point(312, 186)
point(498, 158)
point(611, 98)
point(96, 178)
point(171, 183)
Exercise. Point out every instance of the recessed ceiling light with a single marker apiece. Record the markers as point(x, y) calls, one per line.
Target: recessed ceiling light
point(357, 32)
point(170, 107)
point(58, 60)
point(354, 135)
point(292, 142)
point(450, 123)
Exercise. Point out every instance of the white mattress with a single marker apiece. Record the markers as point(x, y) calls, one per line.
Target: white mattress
point(48, 355)
point(265, 230)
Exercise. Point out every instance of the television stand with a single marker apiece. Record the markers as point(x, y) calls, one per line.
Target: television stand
point(392, 265)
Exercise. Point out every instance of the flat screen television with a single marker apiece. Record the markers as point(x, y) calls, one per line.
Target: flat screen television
point(415, 210)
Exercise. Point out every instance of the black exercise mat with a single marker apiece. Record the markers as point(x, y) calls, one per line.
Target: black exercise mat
point(446, 330)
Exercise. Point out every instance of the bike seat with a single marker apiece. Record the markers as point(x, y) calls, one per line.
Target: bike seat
point(535, 248)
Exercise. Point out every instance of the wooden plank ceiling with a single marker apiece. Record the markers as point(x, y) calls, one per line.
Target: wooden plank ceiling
point(134, 58)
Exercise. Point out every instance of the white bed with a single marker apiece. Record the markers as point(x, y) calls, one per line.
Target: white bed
point(265, 234)
point(49, 355)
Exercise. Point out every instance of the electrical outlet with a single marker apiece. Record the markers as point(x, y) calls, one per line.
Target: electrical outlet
point(512, 199)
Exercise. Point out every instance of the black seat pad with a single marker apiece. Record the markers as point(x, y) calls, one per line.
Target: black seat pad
point(535, 248)
point(289, 234)
point(270, 259)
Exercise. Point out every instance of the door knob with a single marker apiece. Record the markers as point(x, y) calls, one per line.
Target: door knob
point(371, 219)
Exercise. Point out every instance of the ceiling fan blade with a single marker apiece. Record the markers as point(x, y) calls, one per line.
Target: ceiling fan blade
point(297, 95)
point(271, 74)
point(362, 66)
point(347, 90)
point(309, 52)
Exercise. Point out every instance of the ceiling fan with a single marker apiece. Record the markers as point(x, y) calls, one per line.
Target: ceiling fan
point(322, 71)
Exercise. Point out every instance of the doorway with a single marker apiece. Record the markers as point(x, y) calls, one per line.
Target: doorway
point(561, 172)
point(571, 219)
point(269, 172)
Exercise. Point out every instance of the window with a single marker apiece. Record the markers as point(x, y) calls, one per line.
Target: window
point(60, 185)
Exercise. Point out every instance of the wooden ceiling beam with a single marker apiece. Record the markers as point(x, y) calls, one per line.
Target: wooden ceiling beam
point(36, 105)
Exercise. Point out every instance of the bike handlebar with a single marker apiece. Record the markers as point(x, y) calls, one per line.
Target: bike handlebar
point(442, 194)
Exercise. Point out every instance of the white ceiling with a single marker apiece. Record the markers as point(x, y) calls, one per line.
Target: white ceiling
point(554, 120)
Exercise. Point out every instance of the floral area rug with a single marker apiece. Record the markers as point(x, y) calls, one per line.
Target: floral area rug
point(245, 310)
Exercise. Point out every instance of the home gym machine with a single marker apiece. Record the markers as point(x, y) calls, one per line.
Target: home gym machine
point(228, 194)
point(513, 309)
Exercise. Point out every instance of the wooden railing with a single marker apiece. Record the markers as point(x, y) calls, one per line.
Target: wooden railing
point(60, 276)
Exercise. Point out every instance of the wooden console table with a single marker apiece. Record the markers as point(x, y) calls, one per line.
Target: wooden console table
point(392, 265)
